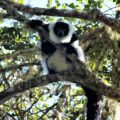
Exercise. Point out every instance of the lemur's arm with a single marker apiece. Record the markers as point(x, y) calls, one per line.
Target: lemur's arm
point(79, 50)
point(41, 28)
point(35, 24)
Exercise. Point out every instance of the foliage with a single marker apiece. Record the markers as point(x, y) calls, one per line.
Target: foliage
point(57, 99)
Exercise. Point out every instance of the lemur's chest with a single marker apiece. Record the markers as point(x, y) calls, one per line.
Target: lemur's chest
point(55, 59)
point(48, 48)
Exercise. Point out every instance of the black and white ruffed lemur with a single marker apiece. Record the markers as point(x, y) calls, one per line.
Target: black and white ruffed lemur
point(63, 33)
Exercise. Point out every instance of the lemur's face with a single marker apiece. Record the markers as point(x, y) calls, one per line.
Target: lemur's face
point(61, 29)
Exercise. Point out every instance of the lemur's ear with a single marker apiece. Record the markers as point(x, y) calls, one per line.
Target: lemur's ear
point(35, 23)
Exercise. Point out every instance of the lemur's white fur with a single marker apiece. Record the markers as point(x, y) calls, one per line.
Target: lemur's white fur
point(56, 39)
point(58, 62)
point(45, 70)
point(79, 50)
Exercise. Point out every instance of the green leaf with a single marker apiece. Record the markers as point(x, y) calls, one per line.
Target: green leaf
point(1, 20)
point(20, 1)
point(72, 5)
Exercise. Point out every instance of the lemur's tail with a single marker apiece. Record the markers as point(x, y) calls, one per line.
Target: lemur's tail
point(93, 104)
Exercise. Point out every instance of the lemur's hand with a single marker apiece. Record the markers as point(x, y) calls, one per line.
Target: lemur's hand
point(35, 23)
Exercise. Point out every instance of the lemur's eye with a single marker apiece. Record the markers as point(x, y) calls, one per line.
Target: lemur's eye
point(65, 29)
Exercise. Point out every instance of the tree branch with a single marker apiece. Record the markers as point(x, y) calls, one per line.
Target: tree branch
point(83, 77)
point(95, 14)
point(91, 35)
point(11, 11)
point(24, 52)
point(18, 66)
